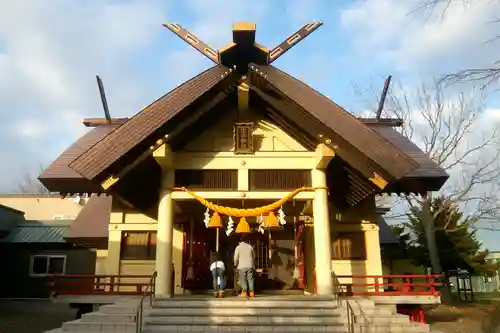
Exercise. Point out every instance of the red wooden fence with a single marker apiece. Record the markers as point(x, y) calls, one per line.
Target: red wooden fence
point(389, 285)
point(363, 285)
point(72, 284)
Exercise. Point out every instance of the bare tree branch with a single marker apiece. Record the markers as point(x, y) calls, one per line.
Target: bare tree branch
point(442, 5)
point(31, 185)
point(486, 76)
point(453, 133)
point(481, 76)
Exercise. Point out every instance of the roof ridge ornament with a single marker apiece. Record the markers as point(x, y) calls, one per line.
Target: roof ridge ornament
point(194, 41)
point(243, 50)
point(293, 40)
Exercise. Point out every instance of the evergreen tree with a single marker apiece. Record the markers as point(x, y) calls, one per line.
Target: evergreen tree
point(457, 245)
point(398, 250)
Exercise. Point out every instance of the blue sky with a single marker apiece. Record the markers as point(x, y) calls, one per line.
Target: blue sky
point(51, 51)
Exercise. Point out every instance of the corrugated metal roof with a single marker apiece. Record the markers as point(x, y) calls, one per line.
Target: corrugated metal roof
point(38, 232)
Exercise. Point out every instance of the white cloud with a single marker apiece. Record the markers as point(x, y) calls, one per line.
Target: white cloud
point(29, 129)
point(49, 54)
point(387, 30)
point(491, 115)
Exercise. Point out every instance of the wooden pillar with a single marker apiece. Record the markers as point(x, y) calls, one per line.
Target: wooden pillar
point(164, 243)
point(322, 240)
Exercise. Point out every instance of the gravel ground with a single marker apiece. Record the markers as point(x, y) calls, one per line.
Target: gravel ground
point(469, 318)
point(33, 316)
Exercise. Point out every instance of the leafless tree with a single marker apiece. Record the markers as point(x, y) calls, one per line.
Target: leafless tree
point(30, 183)
point(456, 134)
point(481, 76)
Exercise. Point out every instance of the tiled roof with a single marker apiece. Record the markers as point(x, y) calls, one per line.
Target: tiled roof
point(147, 122)
point(60, 177)
point(38, 232)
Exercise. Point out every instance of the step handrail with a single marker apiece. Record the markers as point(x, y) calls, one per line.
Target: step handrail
point(351, 315)
point(140, 308)
point(336, 286)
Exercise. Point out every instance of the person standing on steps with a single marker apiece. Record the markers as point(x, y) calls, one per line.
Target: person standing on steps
point(244, 262)
point(217, 268)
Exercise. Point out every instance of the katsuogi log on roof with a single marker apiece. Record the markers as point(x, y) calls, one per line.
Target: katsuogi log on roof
point(118, 150)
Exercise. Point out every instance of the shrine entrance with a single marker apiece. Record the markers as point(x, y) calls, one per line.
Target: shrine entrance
point(277, 251)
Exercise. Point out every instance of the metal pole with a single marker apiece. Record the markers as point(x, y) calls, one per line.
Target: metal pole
point(217, 240)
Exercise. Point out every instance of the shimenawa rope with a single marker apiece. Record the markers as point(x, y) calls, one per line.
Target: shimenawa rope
point(247, 212)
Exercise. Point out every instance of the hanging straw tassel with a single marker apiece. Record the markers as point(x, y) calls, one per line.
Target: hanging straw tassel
point(272, 221)
point(243, 227)
point(215, 221)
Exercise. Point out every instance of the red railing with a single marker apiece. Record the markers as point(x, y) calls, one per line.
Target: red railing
point(85, 284)
point(389, 285)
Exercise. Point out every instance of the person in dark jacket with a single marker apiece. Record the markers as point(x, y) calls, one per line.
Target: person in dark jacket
point(218, 269)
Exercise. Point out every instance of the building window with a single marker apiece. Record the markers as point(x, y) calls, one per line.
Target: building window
point(41, 265)
point(262, 180)
point(140, 245)
point(349, 246)
point(207, 179)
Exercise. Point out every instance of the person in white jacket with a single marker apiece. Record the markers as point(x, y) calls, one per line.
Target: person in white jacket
point(218, 269)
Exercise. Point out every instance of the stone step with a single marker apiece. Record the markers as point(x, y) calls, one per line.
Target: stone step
point(268, 319)
point(79, 326)
point(392, 319)
point(365, 303)
point(270, 314)
point(245, 320)
point(282, 298)
point(394, 329)
point(282, 329)
point(109, 317)
point(244, 329)
point(250, 303)
point(196, 309)
point(375, 312)
point(243, 311)
point(119, 309)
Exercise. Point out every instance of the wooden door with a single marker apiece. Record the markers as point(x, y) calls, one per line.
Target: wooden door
point(196, 256)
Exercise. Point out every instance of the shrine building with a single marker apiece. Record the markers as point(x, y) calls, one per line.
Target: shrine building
point(241, 148)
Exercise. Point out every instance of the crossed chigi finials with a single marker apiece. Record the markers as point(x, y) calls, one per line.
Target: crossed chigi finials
point(243, 44)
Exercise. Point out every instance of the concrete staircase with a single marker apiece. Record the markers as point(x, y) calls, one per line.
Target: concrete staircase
point(260, 314)
point(114, 318)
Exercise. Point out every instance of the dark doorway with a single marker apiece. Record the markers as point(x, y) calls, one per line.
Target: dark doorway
point(274, 257)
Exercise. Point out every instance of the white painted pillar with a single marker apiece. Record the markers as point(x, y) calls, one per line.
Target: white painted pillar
point(373, 255)
point(164, 242)
point(322, 239)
